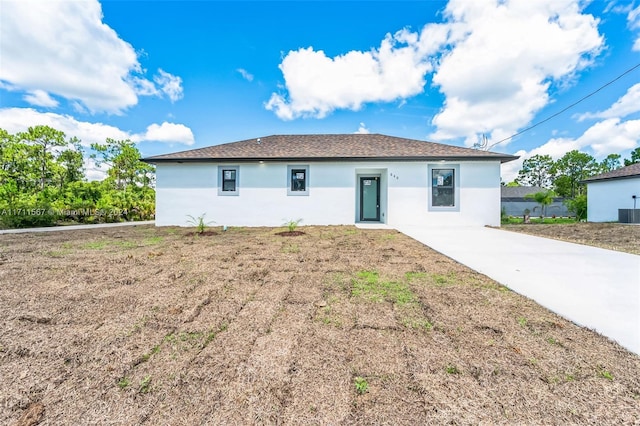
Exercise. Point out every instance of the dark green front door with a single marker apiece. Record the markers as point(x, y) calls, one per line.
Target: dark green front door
point(370, 199)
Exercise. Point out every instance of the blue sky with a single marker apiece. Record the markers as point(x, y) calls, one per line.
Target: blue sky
point(176, 75)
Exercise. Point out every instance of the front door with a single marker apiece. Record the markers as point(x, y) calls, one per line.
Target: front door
point(370, 199)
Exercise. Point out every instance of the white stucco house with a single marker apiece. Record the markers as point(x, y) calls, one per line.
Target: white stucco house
point(334, 179)
point(609, 192)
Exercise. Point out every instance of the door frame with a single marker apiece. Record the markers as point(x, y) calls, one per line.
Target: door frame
point(361, 179)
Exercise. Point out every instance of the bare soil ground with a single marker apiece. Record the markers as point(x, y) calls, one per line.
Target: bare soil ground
point(612, 236)
point(144, 325)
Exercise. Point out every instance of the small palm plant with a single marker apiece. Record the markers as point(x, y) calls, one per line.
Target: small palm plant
point(199, 223)
point(292, 224)
point(362, 386)
point(544, 198)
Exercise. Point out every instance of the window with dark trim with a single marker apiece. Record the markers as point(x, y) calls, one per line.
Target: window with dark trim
point(298, 180)
point(229, 182)
point(443, 188)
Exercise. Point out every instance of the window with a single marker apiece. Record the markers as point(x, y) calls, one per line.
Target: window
point(298, 180)
point(228, 180)
point(298, 177)
point(442, 189)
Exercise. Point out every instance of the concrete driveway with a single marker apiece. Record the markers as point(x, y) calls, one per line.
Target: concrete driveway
point(594, 288)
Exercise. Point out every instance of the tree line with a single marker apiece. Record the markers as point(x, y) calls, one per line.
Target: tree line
point(43, 180)
point(562, 177)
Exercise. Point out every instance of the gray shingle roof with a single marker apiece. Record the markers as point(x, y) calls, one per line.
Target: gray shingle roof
point(330, 148)
point(621, 173)
point(518, 191)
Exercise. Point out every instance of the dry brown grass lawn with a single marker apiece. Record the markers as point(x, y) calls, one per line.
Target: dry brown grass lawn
point(336, 326)
point(612, 236)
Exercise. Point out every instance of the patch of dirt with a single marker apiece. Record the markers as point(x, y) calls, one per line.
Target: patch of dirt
point(141, 325)
point(611, 236)
point(32, 415)
point(290, 233)
point(201, 234)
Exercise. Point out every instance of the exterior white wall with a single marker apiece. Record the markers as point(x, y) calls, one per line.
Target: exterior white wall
point(192, 189)
point(604, 198)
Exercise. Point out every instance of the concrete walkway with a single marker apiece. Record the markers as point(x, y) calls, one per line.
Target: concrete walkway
point(75, 227)
point(594, 288)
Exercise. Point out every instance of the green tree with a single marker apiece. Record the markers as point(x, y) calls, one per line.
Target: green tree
point(578, 206)
point(610, 163)
point(42, 141)
point(569, 170)
point(42, 171)
point(536, 171)
point(82, 198)
point(125, 167)
point(71, 164)
point(15, 165)
point(26, 166)
point(635, 157)
point(544, 198)
point(129, 181)
point(6, 143)
point(562, 186)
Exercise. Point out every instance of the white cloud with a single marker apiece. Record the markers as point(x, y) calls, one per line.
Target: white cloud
point(610, 136)
point(494, 61)
point(556, 147)
point(170, 85)
point(628, 104)
point(245, 74)
point(362, 130)
point(502, 58)
point(167, 132)
point(144, 87)
point(64, 48)
point(16, 120)
point(633, 20)
point(509, 171)
point(40, 98)
point(603, 138)
point(317, 84)
point(94, 172)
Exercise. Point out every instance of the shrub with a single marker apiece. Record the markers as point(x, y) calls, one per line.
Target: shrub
point(361, 384)
point(578, 206)
point(292, 224)
point(199, 223)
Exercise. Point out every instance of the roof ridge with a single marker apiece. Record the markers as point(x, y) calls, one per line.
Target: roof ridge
point(325, 147)
point(629, 171)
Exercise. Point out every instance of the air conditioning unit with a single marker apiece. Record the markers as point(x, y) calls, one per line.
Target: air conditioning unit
point(629, 215)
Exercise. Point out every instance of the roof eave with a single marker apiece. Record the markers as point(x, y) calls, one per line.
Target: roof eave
point(609, 178)
point(502, 158)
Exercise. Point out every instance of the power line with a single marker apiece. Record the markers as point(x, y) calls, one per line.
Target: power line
point(566, 108)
